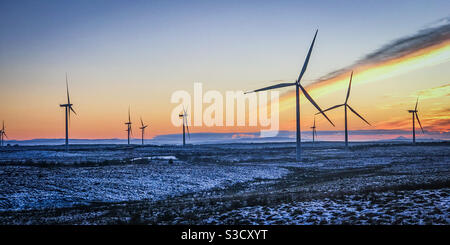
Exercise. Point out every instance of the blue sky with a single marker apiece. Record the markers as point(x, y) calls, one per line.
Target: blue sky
point(215, 31)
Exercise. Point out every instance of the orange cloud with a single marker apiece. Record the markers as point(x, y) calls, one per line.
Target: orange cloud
point(435, 92)
point(365, 73)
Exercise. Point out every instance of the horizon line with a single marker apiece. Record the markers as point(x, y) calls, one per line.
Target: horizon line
point(255, 134)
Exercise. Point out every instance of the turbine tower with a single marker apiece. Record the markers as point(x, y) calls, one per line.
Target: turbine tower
point(185, 124)
point(346, 105)
point(129, 131)
point(142, 128)
point(299, 87)
point(2, 133)
point(414, 114)
point(68, 107)
point(314, 132)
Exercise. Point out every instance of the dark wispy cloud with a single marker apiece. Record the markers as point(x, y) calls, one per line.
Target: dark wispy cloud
point(434, 34)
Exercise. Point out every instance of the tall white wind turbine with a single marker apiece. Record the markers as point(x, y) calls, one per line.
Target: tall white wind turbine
point(299, 87)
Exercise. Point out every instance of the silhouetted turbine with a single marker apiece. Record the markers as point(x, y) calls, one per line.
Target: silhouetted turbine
point(414, 114)
point(68, 107)
point(314, 132)
point(185, 124)
point(346, 105)
point(142, 128)
point(129, 130)
point(299, 87)
point(2, 133)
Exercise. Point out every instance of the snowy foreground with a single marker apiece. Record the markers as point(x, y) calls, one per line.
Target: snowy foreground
point(370, 183)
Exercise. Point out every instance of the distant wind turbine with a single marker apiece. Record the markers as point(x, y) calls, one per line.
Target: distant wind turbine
point(142, 128)
point(2, 133)
point(298, 87)
point(185, 124)
point(129, 130)
point(414, 114)
point(68, 107)
point(346, 105)
point(314, 132)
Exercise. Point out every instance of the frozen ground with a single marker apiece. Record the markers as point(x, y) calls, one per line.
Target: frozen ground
point(36, 187)
point(226, 184)
point(400, 207)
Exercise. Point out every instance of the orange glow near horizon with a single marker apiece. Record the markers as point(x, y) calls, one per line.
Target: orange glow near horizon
point(93, 122)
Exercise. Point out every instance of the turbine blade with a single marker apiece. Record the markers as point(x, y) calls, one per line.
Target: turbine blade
point(417, 101)
point(281, 85)
point(358, 115)
point(187, 124)
point(349, 86)
point(142, 123)
point(67, 88)
point(129, 117)
point(71, 108)
point(331, 108)
point(307, 59)
point(5, 135)
point(184, 113)
point(417, 117)
point(314, 103)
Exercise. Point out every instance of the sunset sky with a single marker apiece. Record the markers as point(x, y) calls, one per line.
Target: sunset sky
point(137, 53)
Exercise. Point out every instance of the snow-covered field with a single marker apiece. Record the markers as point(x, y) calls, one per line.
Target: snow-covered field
point(402, 207)
point(226, 184)
point(34, 187)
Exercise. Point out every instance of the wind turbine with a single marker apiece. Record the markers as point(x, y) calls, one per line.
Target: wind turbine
point(314, 132)
point(142, 128)
point(346, 105)
point(129, 131)
point(414, 113)
point(2, 133)
point(298, 87)
point(185, 124)
point(68, 107)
